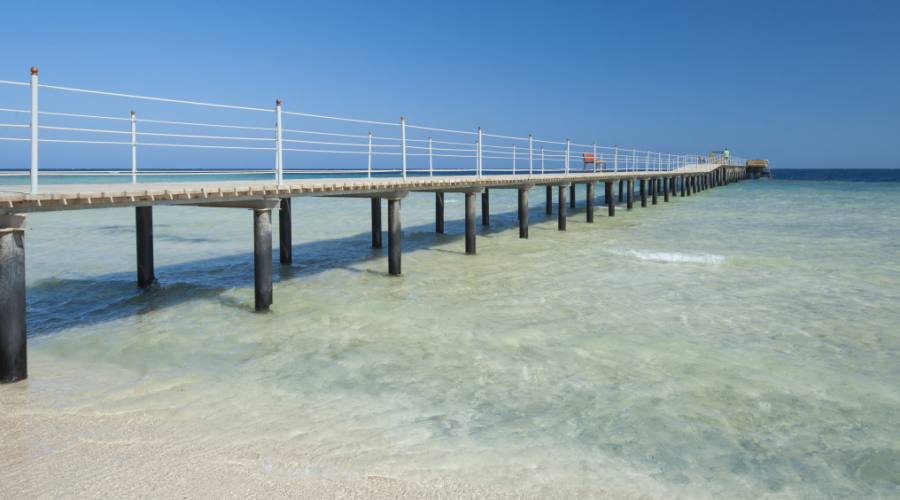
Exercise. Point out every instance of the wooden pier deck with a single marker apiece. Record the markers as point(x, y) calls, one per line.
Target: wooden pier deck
point(263, 196)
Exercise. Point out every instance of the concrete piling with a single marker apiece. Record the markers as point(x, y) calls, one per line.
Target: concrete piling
point(394, 236)
point(262, 257)
point(561, 219)
point(572, 195)
point(470, 223)
point(486, 208)
point(683, 188)
point(549, 200)
point(608, 197)
point(439, 212)
point(643, 192)
point(523, 213)
point(143, 225)
point(589, 187)
point(630, 195)
point(666, 181)
point(285, 243)
point(376, 222)
point(13, 357)
point(654, 188)
point(621, 186)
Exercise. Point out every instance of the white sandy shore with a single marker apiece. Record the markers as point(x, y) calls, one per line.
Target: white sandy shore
point(51, 453)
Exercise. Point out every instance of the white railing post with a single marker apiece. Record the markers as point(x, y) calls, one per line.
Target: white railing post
point(616, 159)
point(634, 159)
point(595, 157)
point(133, 148)
point(658, 162)
point(530, 155)
point(568, 144)
point(34, 130)
point(478, 163)
point(430, 159)
point(542, 160)
point(514, 159)
point(403, 144)
point(369, 163)
point(279, 176)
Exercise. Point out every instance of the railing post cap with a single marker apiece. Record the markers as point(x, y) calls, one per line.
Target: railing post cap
point(278, 102)
point(34, 70)
point(132, 113)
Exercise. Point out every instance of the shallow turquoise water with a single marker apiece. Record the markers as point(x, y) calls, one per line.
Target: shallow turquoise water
point(740, 343)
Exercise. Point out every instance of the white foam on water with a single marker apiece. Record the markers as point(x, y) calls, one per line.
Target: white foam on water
point(675, 257)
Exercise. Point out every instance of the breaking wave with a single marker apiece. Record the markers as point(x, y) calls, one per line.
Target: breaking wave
point(698, 258)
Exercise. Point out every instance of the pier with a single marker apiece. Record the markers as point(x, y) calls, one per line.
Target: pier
point(656, 174)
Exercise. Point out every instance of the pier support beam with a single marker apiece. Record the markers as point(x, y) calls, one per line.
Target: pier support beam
point(589, 187)
point(143, 226)
point(561, 219)
point(643, 192)
point(608, 198)
point(621, 186)
point(630, 194)
point(549, 200)
point(572, 195)
point(666, 181)
point(683, 188)
point(376, 223)
point(523, 213)
point(394, 236)
point(654, 188)
point(285, 239)
point(262, 257)
point(13, 359)
point(439, 212)
point(486, 208)
point(470, 223)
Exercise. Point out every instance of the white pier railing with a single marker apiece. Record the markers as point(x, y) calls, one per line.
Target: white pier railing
point(312, 143)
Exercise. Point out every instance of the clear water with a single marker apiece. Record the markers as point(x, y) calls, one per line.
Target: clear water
point(742, 343)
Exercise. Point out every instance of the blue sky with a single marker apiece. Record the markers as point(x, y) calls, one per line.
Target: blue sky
point(806, 84)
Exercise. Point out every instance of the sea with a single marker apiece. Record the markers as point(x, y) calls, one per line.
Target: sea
point(742, 342)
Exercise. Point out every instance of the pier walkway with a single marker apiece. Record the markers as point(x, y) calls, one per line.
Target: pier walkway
point(658, 176)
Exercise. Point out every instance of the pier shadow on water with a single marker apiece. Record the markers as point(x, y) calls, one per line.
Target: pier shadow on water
point(56, 304)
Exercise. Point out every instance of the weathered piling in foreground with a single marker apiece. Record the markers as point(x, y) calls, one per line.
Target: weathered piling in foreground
point(654, 188)
point(589, 187)
point(13, 358)
point(572, 195)
point(666, 188)
point(561, 218)
point(439, 212)
point(285, 238)
point(143, 225)
point(262, 257)
point(376, 222)
point(523, 212)
point(643, 193)
point(621, 187)
point(394, 236)
point(608, 198)
point(683, 187)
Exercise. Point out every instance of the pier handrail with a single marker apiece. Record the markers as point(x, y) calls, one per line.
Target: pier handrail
point(414, 149)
